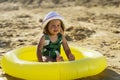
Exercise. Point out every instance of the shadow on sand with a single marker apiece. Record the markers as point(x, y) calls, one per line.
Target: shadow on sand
point(107, 74)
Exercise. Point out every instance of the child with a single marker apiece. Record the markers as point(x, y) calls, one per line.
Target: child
point(53, 36)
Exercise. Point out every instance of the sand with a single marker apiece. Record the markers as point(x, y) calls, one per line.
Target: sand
point(96, 28)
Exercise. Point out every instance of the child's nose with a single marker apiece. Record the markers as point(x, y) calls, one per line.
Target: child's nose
point(55, 26)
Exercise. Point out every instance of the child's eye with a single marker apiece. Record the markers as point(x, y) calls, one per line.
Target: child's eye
point(53, 26)
point(58, 25)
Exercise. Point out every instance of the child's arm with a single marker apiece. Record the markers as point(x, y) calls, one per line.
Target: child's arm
point(39, 48)
point(70, 56)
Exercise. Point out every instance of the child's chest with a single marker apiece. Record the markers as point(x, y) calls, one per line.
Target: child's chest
point(53, 39)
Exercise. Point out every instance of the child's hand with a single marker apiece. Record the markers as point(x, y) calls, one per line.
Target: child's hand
point(59, 58)
point(71, 57)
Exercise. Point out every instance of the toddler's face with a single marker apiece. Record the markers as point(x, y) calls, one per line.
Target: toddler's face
point(54, 26)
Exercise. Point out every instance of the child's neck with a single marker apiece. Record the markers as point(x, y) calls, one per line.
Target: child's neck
point(53, 38)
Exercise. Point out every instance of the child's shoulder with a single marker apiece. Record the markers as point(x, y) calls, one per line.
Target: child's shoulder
point(42, 36)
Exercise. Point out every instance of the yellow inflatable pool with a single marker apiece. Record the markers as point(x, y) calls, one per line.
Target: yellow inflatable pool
point(22, 63)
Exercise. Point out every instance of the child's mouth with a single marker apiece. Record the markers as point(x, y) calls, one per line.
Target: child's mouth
point(55, 30)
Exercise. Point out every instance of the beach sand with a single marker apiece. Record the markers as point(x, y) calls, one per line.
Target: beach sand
point(96, 28)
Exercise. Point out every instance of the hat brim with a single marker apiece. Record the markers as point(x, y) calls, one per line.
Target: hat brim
point(48, 20)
